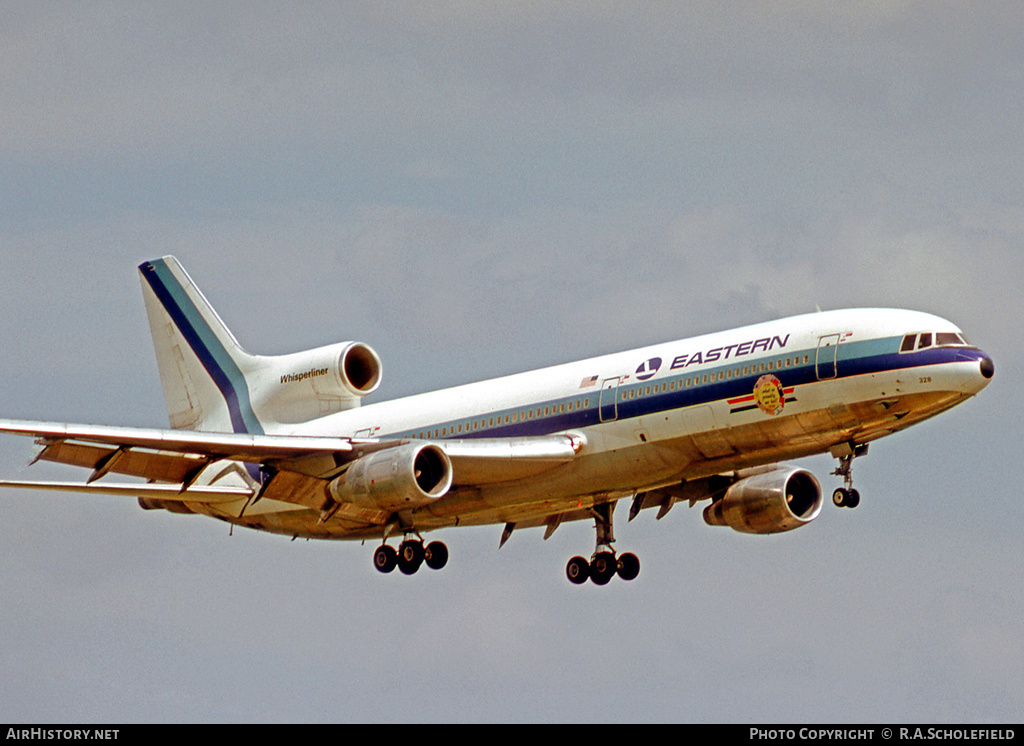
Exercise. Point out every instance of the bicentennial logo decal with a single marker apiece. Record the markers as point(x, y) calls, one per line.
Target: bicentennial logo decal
point(769, 395)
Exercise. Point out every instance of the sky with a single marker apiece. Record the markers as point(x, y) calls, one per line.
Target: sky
point(476, 189)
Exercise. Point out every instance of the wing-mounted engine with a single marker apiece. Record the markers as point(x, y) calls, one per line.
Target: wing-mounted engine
point(406, 476)
point(768, 503)
point(315, 383)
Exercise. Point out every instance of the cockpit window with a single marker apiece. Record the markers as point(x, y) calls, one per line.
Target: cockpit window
point(925, 340)
point(949, 338)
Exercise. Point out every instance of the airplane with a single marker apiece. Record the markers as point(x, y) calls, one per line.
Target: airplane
point(282, 443)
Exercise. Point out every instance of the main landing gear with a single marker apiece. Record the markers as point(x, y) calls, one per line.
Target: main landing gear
point(410, 556)
point(846, 496)
point(603, 564)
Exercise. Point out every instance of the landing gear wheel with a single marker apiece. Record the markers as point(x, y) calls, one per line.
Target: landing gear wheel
point(628, 566)
point(577, 570)
point(436, 555)
point(410, 556)
point(385, 558)
point(603, 568)
point(853, 499)
point(844, 498)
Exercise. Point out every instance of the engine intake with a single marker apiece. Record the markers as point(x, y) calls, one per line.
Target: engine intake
point(306, 385)
point(768, 503)
point(406, 476)
point(360, 369)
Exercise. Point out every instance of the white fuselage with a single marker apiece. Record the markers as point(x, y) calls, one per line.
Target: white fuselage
point(686, 409)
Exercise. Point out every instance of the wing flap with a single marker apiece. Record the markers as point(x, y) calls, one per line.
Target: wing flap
point(161, 466)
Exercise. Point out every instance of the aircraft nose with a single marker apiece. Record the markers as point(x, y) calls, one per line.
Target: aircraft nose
point(988, 368)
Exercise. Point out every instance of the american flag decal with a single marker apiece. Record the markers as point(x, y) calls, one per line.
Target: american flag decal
point(588, 382)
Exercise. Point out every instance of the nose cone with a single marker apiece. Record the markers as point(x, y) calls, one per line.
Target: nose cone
point(988, 368)
point(974, 379)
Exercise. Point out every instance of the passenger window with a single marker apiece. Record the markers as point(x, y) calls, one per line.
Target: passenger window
point(926, 341)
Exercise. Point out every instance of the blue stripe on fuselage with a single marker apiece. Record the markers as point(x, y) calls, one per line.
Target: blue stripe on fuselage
point(204, 343)
point(854, 359)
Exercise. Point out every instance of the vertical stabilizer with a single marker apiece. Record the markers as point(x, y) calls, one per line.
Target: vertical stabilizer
point(202, 366)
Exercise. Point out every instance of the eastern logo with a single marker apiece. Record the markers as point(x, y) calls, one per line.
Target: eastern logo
point(768, 394)
point(648, 368)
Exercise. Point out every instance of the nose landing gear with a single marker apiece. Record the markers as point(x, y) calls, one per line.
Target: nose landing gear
point(846, 496)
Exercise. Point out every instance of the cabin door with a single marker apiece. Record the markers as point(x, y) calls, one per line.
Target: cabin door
point(608, 407)
point(825, 362)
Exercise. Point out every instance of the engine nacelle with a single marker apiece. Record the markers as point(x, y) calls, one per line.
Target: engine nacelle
point(315, 383)
point(405, 476)
point(768, 503)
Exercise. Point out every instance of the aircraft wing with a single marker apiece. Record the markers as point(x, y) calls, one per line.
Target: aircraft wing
point(195, 494)
point(301, 463)
point(238, 447)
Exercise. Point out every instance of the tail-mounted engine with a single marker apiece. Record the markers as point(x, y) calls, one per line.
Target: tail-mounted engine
point(768, 503)
point(405, 476)
point(315, 383)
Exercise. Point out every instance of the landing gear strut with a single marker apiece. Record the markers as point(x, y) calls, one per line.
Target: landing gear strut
point(846, 496)
point(603, 564)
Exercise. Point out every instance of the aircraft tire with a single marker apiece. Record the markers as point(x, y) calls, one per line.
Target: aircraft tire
point(603, 568)
point(628, 566)
point(385, 558)
point(410, 556)
point(843, 498)
point(436, 555)
point(577, 570)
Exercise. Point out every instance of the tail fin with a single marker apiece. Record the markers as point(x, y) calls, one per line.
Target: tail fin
point(202, 366)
